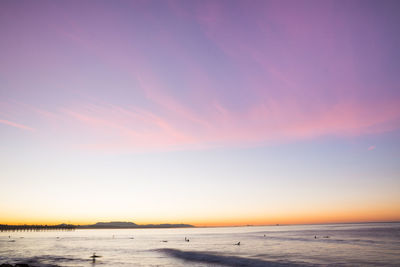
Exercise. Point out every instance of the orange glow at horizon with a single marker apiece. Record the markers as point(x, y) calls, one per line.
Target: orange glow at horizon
point(349, 216)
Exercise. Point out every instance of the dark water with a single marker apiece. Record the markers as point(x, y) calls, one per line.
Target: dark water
point(373, 244)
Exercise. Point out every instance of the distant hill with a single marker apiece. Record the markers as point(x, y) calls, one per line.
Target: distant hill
point(113, 225)
point(127, 225)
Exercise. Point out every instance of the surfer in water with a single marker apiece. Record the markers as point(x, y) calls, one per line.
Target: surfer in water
point(94, 256)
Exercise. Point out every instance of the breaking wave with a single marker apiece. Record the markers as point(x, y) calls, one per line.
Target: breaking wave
point(212, 258)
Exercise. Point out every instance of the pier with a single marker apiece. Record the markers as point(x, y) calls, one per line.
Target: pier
point(37, 228)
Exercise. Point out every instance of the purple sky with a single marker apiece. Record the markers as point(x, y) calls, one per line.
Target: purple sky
point(131, 77)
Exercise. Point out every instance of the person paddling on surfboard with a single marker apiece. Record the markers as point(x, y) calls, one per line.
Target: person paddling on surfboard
point(94, 256)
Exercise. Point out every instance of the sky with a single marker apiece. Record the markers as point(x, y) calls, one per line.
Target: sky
point(203, 112)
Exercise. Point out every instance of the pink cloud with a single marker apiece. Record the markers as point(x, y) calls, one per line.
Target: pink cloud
point(16, 125)
point(371, 148)
point(116, 128)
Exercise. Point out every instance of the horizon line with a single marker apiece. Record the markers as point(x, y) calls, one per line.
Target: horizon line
point(205, 226)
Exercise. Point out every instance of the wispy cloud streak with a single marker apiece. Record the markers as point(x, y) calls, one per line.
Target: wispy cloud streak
point(115, 128)
point(16, 125)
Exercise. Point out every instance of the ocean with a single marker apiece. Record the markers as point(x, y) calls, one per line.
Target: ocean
point(367, 244)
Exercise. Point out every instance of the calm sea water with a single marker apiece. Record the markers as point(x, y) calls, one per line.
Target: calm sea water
point(370, 244)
